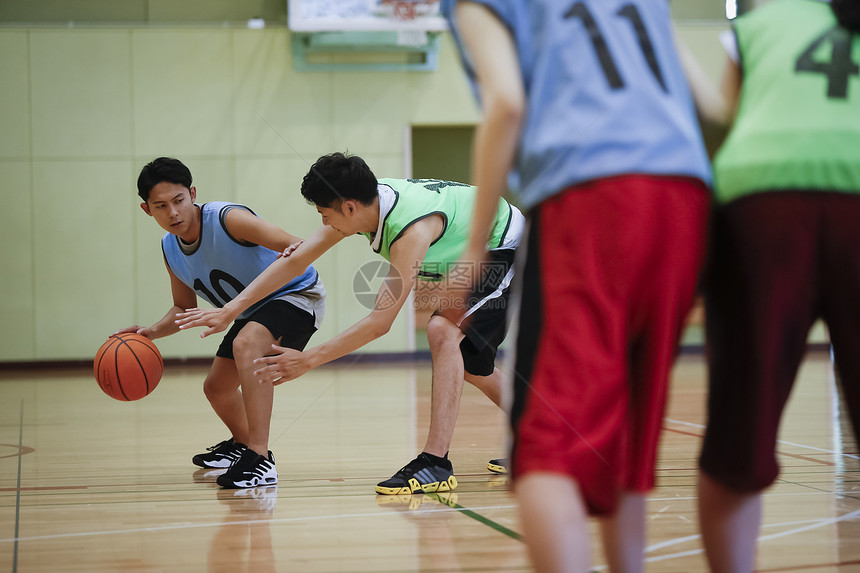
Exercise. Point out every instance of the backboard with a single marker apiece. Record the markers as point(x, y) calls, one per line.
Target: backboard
point(365, 16)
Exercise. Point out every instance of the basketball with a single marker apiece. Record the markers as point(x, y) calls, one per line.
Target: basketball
point(128, 366)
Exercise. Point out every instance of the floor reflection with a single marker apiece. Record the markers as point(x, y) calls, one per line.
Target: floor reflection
point(244, 542)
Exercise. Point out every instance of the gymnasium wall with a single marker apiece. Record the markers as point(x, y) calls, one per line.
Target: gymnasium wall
point(83, 108)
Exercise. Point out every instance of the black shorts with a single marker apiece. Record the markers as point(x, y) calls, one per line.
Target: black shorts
point(487, 325)
point(291, 326)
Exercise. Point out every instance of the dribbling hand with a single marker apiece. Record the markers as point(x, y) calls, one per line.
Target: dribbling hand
point(141, 330)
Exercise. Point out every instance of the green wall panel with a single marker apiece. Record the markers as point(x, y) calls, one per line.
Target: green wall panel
point(215, 10)
point(73, 10)
point(271, 187)
point(84, 262)
point(371, 111)
point(81, 94)
point(183, 82)
point(14, 95)
point(17, 305)
point(442, 152)
point(278, 111)
point(432, 95)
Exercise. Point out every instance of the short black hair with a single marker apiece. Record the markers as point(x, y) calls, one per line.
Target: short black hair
point(336, 177)
point(848, 13)
point(159, 170)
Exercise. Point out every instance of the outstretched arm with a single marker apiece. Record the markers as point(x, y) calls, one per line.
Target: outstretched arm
point(406, 257)
point(496, 65)
point(494, 59)
point(280, 272)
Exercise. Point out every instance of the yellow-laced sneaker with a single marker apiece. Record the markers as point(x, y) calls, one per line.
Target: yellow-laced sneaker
point(421, 475)
point(498, 466)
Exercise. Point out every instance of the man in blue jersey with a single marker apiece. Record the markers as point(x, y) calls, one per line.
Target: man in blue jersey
point(214, 251)
point(586, 105)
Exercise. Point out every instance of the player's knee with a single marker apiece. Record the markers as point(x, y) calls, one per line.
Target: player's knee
point(212, 389)
point(245, 348)
point(752, 477)
point(441, 333)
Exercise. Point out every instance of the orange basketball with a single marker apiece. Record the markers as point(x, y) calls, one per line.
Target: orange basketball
point(128, 366)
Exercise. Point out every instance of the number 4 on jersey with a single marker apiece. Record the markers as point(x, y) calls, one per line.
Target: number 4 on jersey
point(839, 69)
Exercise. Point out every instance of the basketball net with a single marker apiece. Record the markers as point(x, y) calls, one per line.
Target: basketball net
point(404, 10)
point(408, 10)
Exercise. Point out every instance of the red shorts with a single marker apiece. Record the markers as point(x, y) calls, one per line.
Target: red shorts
point(610, 274)
point(780, 260)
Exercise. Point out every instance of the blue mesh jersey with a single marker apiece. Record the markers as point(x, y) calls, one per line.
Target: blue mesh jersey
point(221, 267)
point(605, 91)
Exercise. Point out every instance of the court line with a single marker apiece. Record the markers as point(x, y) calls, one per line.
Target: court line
point(21, 450)
point(815, 491)
point(815, 524)
point(809, 566)
point(823, 450)
point(179, 526)
point(486, 521)
point(44, 488)
point(679, 540)
point(18, 493)
point(299, 482)
point(830, 521)
point(786, 454)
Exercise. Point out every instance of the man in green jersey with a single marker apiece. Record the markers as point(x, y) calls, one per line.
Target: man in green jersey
point(420, 227)
point(785, 249)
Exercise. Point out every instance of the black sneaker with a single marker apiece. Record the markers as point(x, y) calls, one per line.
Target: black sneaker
point(222, 455)
point(419, 476)
point(251, 470)
point(498, 466)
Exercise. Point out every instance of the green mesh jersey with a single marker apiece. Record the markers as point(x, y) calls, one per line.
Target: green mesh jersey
point(402, 202)
point(798, 125)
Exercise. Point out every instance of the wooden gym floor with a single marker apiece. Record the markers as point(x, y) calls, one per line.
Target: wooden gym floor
point(91, 484)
